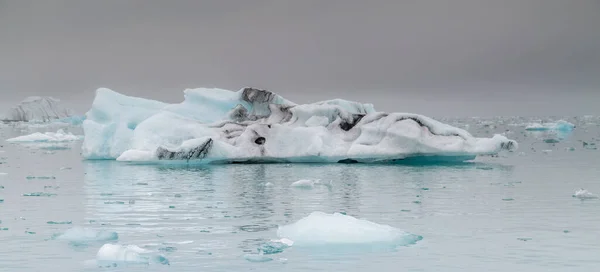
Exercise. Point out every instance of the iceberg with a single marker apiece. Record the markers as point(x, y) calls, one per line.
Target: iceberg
point(59, 136)
point(252, 125)
point(560, 125)
point(322, 229)
point(37, 109)
point(584, 194)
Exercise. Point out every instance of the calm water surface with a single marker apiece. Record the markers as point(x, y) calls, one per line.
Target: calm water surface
point(514, 212)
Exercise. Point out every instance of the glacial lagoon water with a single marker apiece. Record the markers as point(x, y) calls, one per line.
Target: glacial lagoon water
point(512, 212)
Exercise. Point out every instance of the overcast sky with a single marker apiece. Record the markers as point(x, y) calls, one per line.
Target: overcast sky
point(440, 58)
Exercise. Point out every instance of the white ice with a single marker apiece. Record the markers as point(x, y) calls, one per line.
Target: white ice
point(254, 125)
point(128, 254)
point(59, 136)
point(584, 194)
point(320, 228)
point(37, 109)
point(560, 125)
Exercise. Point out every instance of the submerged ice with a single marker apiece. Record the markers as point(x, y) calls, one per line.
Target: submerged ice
point(320, 229)
point(251, 125)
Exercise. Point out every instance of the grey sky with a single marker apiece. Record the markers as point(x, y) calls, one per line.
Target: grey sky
point(512, 57)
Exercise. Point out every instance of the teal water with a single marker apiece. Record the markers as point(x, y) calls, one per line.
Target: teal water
point(513, 212)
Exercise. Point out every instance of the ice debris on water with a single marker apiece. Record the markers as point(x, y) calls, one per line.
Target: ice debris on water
point(82, 235)
point(560, 125)
point(320, 228)
point(257, 258)
point(59, 222)
point(40, 177)
point(39, 194)
point(584, 194)
point(112, 254)
point(309, 184)
point(59, 136)
point(275, 246)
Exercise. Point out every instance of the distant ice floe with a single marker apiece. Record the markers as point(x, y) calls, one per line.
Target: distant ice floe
point(37, 109)
point(85, 235)
point(322, 229)
point(252, 125)
point(112, 254)
point(47, 137)
point(309, 183)
point(584, 194)
point(560, 125)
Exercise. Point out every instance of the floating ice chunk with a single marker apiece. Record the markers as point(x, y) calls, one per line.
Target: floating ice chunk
point(59, 136)
point(129, 254)
point(309, 184)
point(82, 235)
point(59, 222)
point(275, 246)
point(584, 194)
point(251, 125)
point(305, 183)
point(560, 125)
point(39, 194)
point(320, 229)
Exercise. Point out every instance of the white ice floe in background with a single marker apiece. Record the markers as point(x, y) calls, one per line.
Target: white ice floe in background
point(37, 109)
point(81, 235)
point(220, 126)
point(322, 229)
point(560, 125)
point(584, 194)
point(47, 137)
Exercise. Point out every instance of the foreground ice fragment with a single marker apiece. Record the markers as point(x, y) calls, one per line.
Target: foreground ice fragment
point(584, 194)
point(59, 136)
point(251, 125)
point(320, 229)
point(127, 254)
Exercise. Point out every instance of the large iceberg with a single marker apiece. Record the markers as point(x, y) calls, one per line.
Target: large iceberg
point(38, 109)
point(251, 125)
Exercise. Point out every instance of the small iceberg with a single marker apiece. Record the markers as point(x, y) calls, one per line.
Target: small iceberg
point(59, 136)
point(111, 255)
point(560, 125)
point(584, 194)
point(84, 235)
point(309, 184)
point(322, 229)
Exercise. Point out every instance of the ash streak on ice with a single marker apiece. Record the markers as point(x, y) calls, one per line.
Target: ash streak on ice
point(251, 125)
